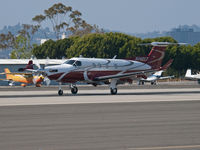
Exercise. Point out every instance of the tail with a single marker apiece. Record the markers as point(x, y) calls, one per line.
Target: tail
point(8, 74)
point(28, 66)
point(167, 64)
point(156, 56)
point(188, 73)
point(158, 73)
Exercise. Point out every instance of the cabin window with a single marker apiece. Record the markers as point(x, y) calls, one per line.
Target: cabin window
point(53, 70)
point(93, 64)
point(78, 63)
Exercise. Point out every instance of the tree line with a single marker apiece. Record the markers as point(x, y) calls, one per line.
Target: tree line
point(91, 41)
point(107, 45)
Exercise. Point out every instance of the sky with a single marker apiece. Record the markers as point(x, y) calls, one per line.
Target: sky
point(128, 16)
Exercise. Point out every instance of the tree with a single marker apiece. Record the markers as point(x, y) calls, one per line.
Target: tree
point(54, 49)
point(65, 19)
point(21, 43)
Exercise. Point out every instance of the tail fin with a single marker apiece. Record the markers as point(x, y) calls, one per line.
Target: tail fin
point(156, 56)
point(158, 73)
point(188, 73)
point(167, 64)
point(28, 66)
point(8, 74)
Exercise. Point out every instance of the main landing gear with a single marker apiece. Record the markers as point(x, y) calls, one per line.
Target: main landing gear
point(113, 87)
point(73, 88)
point(113, 91)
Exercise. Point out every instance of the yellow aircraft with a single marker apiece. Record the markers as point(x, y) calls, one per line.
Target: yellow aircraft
point(24, 78)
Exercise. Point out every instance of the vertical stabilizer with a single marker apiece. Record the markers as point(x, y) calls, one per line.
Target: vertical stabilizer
point(156, 56)
point(188, 73)
point(158, 73)
point(8, 74)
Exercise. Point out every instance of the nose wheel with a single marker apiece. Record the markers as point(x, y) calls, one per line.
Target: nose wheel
point(60, 92)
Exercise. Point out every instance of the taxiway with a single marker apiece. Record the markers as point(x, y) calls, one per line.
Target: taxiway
point(135, 119)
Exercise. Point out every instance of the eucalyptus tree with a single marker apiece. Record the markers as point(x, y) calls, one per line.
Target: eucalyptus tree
point(64, 19)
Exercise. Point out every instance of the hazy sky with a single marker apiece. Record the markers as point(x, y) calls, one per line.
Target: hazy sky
point(121, 15)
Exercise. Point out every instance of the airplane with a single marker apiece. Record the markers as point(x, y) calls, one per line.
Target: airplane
point(191, 76)
point(157, 75)
point(154, 77)
point(97, 71)
point(24, 78)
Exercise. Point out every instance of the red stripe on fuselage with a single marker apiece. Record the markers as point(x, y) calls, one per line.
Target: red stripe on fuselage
point(79, 75)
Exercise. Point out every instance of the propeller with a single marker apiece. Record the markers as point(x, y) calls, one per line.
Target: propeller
point(40, 72)
point(47, 81)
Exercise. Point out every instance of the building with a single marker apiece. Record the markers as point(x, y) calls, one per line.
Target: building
point(185, 35)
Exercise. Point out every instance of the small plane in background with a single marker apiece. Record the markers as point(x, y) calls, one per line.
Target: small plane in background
point(191, 76)
point(98, 71)
point(154, 77)
point(157, 75)
point(24, 78)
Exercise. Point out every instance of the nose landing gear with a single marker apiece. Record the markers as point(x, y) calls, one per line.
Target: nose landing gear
point(60, 92)
point(73, 88)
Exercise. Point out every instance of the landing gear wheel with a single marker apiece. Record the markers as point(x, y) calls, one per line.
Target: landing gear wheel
point(113, 91)
point(74, 90)
point(60, 92)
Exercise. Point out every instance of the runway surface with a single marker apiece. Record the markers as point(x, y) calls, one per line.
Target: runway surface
point(135, 119)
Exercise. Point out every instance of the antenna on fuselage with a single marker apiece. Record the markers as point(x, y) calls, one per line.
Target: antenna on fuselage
point(114, 57)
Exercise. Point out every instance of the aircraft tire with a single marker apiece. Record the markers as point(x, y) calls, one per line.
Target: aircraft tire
point(60, 92)
point(113, 91)
point(74, 90)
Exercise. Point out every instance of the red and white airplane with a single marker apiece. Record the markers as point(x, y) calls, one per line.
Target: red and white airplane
point(98, 71)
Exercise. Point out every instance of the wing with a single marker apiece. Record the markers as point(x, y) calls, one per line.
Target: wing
point(167, 77)
point(16, 73)
point(122, 75)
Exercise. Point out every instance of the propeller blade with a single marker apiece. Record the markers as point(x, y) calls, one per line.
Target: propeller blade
point(34, 80)
point(37, 63)
point(46, 62)
point(47, 80)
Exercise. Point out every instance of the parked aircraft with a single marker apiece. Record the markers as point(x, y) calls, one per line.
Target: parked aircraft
point(24, 78)
point(157, 75)
point(191, 76)
point(98, 71)
point(154, 77)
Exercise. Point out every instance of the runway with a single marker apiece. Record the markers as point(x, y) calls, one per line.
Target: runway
point(135, 119)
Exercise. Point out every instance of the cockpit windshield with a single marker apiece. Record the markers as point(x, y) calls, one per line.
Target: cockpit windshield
point(70, 62)
point(73, 62)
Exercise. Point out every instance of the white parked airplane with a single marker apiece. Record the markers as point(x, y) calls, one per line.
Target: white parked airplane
point(191, 76)
point(98, 71)
point(154, 77)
